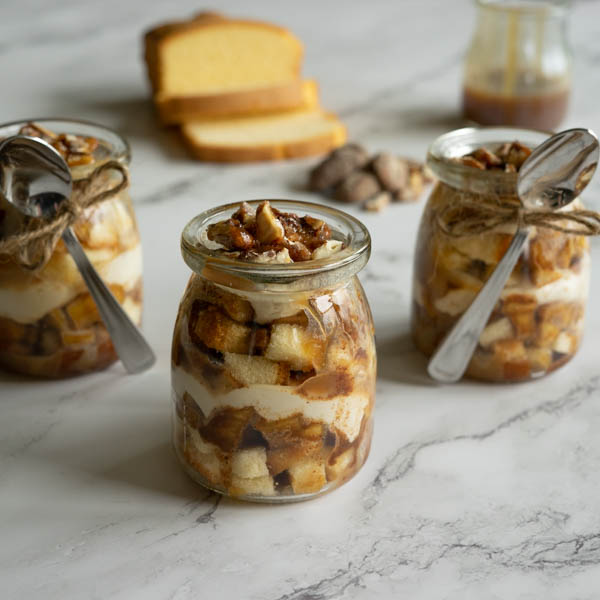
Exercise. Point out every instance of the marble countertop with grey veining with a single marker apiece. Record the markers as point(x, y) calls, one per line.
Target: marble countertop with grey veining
point(471, 490)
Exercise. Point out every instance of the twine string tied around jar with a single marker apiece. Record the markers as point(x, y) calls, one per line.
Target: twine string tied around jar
point(32, 247)
point(469, 215)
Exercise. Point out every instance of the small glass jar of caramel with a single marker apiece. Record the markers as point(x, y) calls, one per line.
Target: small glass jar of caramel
point(537, 324)
point(518, 68)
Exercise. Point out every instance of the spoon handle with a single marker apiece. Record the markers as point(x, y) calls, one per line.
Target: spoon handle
point(133, 350)
point(450, 360)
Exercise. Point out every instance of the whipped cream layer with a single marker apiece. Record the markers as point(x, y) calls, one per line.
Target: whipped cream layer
point(570, 287)
point(268, 307)
point(275, 402)
point(29, 303)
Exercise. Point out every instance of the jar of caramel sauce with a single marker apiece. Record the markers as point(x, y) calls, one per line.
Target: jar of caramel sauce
point(518, 68)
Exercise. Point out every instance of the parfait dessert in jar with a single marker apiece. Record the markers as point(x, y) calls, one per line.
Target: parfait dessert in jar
point(273, 361)
point(468, 223)
point(49, 323)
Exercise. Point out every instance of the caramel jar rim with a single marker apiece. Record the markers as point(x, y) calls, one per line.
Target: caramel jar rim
point(117, 146)
point(305, 275)
point(443, 152)
point(554, 8)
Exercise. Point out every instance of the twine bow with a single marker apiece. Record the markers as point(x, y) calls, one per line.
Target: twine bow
point(33, 246)
point(467, 216)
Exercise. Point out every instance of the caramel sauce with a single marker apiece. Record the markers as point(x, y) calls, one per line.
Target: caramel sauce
point(536, 111)
point(327, 385)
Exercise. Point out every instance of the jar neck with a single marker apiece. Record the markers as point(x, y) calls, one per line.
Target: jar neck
point(328, 272)
point(444, 151)
point(112, 146)
point(525, 9)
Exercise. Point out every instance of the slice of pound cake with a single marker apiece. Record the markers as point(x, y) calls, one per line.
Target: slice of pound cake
point(215, 66)
point(275, 136)
point(179, 109)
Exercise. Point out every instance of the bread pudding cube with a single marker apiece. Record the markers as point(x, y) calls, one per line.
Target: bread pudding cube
point(250, 370)
point(295, 346)
point(250, 463)
point(307, 476)
point(336, 466)
point(501, 329)
point(216, 330)
point(252, 486)
point(202, 455)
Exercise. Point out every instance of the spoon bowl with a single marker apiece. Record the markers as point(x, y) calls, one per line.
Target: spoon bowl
point(34, 177)
point(558, 170)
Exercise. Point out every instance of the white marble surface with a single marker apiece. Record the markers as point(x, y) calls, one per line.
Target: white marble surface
point(471, 491)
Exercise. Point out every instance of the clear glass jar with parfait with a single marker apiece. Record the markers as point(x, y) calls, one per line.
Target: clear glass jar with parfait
point(49, 324)
point(273, 361)
point(518, 66)
point(537, 324)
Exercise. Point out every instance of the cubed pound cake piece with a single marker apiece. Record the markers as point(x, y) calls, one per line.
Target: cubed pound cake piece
point(251, 486)
point(307, 477)
point(276, 136)
point(296, 346)
point(191, 63)
point(252, 370)
point(250, 463)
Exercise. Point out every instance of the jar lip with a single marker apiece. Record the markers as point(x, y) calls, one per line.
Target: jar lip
point(119, 146)
point(527, 7)
point(446, 148)
point(354, 234)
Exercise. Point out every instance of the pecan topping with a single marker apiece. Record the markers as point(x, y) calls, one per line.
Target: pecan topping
point(270, 235)
point(509, 157)
point(75, 149)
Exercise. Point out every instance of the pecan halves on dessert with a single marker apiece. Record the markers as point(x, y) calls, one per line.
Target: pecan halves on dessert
point(75, 149)
point(269, 235)
point(514, 154)
point(245, 214)
point(489, 159)
point(230, 234)
point(509, 157)
point(470, 161)
point(37, 131)
point(269, 230)
point(307, 231)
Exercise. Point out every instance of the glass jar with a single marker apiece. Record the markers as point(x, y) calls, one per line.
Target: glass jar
point(49, 324)
point(518, 67)
point(274, 366)
point(537, 324)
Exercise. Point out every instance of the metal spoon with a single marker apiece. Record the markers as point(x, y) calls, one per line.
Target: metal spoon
point(35, 179)
point(554, 174)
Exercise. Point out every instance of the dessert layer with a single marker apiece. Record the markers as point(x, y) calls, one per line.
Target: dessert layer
point(277, 402)
point(570, 287)
point(29, 303)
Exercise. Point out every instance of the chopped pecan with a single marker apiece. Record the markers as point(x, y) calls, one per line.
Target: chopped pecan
point(268, 227)
point(230, 234)
point(509, 157)
point(75, 149)
point(269, 235)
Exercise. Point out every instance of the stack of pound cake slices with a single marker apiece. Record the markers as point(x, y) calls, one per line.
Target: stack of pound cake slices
point(235, 90)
